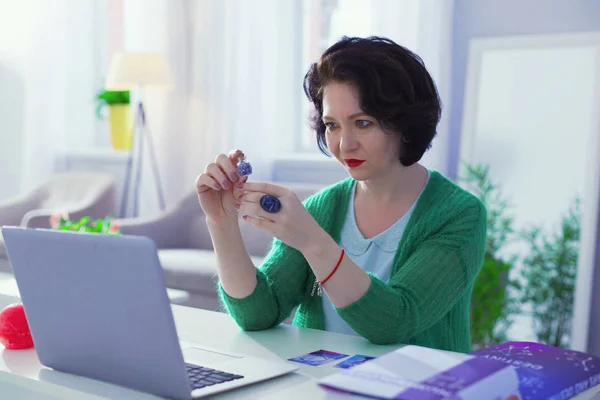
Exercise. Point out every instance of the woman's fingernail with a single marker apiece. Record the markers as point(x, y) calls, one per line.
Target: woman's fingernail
point(234, 177)
point(237, 206)
point(225, 184)
point(240, 185)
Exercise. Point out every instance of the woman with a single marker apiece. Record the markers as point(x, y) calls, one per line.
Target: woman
point(390, 253)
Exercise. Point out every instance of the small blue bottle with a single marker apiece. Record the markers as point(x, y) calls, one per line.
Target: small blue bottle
point(244, 167)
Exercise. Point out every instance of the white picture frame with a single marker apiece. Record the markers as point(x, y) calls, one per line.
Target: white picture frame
point(486, 58)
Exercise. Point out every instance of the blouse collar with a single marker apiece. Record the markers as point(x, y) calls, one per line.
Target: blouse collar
point(356, 244)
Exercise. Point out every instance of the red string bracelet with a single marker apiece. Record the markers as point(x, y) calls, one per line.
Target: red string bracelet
point(321, 283)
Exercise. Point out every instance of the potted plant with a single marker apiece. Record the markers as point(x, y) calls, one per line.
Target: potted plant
point(121, 131)
point(61, 221)
point(549, 273)
point(493, 301)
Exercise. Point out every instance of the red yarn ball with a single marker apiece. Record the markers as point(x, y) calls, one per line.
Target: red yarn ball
point(14, 329)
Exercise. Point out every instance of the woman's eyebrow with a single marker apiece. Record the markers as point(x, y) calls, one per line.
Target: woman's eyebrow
point(355, 115)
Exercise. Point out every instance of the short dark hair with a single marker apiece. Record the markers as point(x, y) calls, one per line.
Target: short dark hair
point(394, 88)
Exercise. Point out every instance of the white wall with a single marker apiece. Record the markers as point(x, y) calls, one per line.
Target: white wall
point(493, 18)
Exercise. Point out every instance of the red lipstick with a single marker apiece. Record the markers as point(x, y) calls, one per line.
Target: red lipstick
point(353, 162)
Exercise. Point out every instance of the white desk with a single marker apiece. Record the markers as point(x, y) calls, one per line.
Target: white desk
point(219, 331)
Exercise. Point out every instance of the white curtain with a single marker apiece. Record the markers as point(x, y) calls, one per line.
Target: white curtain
point(160, 26)
point(17, 30)
point(45, 108)
point(53, 48)
point(262, 76)
point(238, 71)
point(234, 71)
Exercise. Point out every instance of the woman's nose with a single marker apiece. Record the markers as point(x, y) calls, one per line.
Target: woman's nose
point(348, 142)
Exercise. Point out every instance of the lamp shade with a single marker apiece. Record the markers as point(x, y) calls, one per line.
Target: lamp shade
point(130, 70)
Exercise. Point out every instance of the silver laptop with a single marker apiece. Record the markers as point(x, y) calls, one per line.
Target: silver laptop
point(97, 306)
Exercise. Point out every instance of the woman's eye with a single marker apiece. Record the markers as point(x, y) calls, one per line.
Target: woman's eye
point(330, 125)
point(361, 123)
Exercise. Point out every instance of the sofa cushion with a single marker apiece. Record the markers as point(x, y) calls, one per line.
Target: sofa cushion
point(257, 241)
point(198, 235)
point(192, 270)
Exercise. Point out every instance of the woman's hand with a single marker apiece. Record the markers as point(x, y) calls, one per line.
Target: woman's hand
point(217, 187)
point(297, 228)
point(292, 224)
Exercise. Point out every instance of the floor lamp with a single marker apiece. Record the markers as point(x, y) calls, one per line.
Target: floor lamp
point(135, 72)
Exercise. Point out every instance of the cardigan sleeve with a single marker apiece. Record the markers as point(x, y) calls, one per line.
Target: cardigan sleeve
point(281, 284)
point(423, 289)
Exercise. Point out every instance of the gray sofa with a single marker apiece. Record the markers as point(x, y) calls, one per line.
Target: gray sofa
point(185, 248)
point(77, 193)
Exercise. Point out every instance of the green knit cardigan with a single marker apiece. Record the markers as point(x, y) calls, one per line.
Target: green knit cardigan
point(426, 300)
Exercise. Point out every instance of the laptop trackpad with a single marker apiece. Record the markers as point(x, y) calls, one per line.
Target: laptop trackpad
point(205, 357)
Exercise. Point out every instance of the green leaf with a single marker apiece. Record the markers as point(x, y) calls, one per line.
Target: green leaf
point(110, 98)
point(85, 224)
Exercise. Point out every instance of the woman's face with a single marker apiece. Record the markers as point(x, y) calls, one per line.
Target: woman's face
point(355, 138)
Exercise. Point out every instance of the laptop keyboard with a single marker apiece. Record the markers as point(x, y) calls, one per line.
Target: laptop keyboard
point(201, 377)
